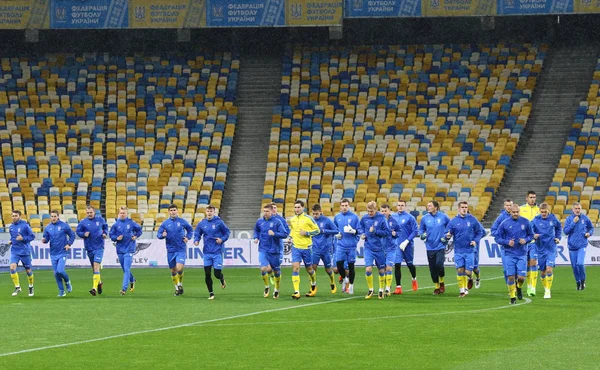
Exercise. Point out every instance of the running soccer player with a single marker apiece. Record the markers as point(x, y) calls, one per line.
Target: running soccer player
point(529, 210)
point(93, 230)
point(347, 223)
point(390, 246)
point(467, 233)
point(374, 230)
point(323, 244)
point(513, 235)
point(124, 233)
point(578, 229)
point(547, 231)
point(61, 238)
point(21, 237)
point(406, 247)
point(302, 229)
point(505, 214)
point(432, 229)
point(177, 232)
point(268, 233)
point(215, 234)
point(279, 217)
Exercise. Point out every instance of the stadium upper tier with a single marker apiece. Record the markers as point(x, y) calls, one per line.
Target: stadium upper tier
point(107, 130)
point(576, 178)
point(385, 123)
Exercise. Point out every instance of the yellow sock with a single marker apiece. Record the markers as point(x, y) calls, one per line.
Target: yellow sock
point(265, 278)
point(331, 278)
point(465, 281)
point(30, 279)
point(370, 281)
point(277, 281)
point(381, 282)
point(549, 280)
point(441, 280)
point(543, 278)
point(459, 279)
point(15, 279)
point(437, 285)
point(296, 282)
point(388, 280)
point(534, 277)
point(180, 277)
point(271, 274)
point(512, 291)
point(175, 279)
point(96, 280)
point(313, 278)
point(519, 283)
point(528, 279)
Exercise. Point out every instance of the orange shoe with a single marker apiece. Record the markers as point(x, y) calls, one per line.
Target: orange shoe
point(398, 290)
point(442, 288)
point(415, 285)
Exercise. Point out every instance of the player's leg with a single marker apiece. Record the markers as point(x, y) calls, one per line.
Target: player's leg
point(409, 255)
point(264, 271)
point(459, 262)
point(521, 267)
point(532, 268)
point(581, 266)
point(476, 271)
point(296, 259)
point(440, 257)
point(57, 276)
point(340, 258)
point(433, 271)
point(208, 277)
point(275, 263)
point(125, 281)
point(369, 272)
point(14, 275)
point(172, 261)
point(351, 270)
point(381, 263)
point(62, 263)
point(509, 265)
point(218, 269)
point(398, 270)
point(574, 267)
point(128, 264)
point(307, 259)
point(26, 262)
point(326, 258)
point(549, 272)
point(469, 267)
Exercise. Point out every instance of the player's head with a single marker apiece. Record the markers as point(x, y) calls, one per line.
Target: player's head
point(298, 207)
point(385, 209)
point(576, 209)
point(344, 205)
point(433, 207)
point(401, 206)
point(508, 203)
point(16, 216)
point(267, 211)
point(273, 207)
point(371, 208)
point(173, 211)
point(531, 197)
point(90, 212)
point(316, 211)
point(515, 211)
point(123, 213)
point(54, 216)
point(544, 210)
point(463, 208)
point(210, 211)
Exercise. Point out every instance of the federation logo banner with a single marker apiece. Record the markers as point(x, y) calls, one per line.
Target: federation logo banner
point(314, 13)
point(382, 8)
point(167, 14)
point(515, 7)
point(89, 13)
point(22, 14)
point(453, 8)
point(245, 13)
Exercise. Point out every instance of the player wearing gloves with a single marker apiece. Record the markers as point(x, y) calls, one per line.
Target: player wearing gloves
point(578, 228)
point(374, 230)
point(347, 223)
point(268, 233)
point(431, 230)
point(323, 244)
point(546, 232)
point(406, 249)
point(61, 238)
point(124, 232)
point(390, 247)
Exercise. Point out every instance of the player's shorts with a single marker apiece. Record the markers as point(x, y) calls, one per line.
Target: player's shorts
point(346, 255)
point(546, 260)
point(270, 259)
point(175, 258)
point(96, 255)
point(377, 257)
point(302, 255)
point(532, 252)
point(213, 259)
point(407, 255)
point(390, 257)
point(464, 260)
point(514, 265)
point(25, 260)
point(322, 255)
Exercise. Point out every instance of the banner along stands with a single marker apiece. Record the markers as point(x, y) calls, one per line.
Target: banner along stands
point(245, 13)
point(89, 14)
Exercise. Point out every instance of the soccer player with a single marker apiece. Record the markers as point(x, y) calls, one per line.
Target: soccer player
point(578, 229)
point(547, 231)
point(347, 223)
point(467, 233)
point(529, 210)
point(21, 236)
point(323, 244)
point(390, 246)
point(61, 238)
point(93, 230)
point(283, 221)
point(302, 229)
point(373, 229)
point(124, 233)
point(268, 233)
point(513, 235)
point(505, 214)
point(406, 247)
point(177, 232)
point(214, 233)
point(432, 229)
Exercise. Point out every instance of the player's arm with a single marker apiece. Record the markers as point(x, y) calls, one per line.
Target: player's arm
point(280, 231)
point(46, 236)
point(422, 227)
point(500, 236)
point(529, 236)
point(479, 232)
point(136, 229)
point(330, 228)
point(30, 236)
point(311, 225)
point(104, 227)
point(449, 229)
point(198, 233)
point(226, 232)
point(113, 233)
point(161, 230)
point(71, 236)
point(569, 225)
point(590, 227)
point(256, 235)
point(383, 230)
point(190, 230)
point(80, 231)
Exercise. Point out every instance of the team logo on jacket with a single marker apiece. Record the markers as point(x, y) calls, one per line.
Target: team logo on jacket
point(468, 224)
point(4, 247)
point(271, 224)
point(214, 226)
point(375, 223)
point(141, 246)
point(97, 223)
point(522, 227)
point(128, 226)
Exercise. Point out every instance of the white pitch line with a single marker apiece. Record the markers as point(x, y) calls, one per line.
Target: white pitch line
point(116, 336)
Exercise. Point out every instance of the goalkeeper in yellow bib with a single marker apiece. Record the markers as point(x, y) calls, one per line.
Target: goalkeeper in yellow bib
point(302, 229)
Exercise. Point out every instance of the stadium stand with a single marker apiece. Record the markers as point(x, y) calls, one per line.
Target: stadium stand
point(109, 130)
point(384, 123)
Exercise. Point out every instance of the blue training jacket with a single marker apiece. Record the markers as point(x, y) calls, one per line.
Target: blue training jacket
point(128, 228)
point(58, 235)
point(323, 241)
point(408, 227)
point(548, 228)
point(97, 227)
point(511, 229)
point(391, 241)
point(209, 231)
point(375, 240)
point(266, 242)
point(176, 229)
point(503, 216)
point(465, 230)
point(576, 232)
point(348, 240)
point(21, 247)
point(435, 227)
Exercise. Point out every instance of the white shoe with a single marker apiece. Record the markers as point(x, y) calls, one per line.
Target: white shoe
point(477, 283)
point(31, 292)
point(351, 289)
point(344, 284)
point(17, 291)
point(62, 294)
point(466, 291)
point(547, 294)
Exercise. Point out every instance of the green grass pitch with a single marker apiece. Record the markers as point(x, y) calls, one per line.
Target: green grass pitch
point(152, 329)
